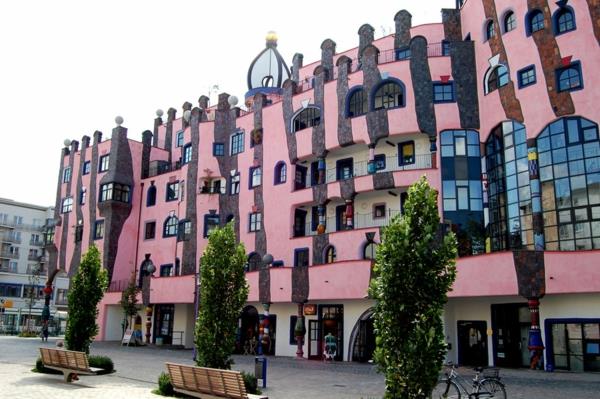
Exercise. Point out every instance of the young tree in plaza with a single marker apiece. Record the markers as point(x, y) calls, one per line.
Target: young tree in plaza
point(223, 292)
point(414, 269)
point(129, 303)
point(86, 291)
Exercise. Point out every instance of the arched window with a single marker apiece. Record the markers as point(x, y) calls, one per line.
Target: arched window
point(308, 117)
point(170, 226)
point(510, 21)
point(534, 21)
point(255, 177)
point(569, 78)
point(569, 170)
point(280, 172)
point(563, 20)
point(254, 262)
point(496, 78)
point(330, 254)
point(357, 103)
point(369, 250)
point(489, 30)
point(389, 94)
point(151, 196)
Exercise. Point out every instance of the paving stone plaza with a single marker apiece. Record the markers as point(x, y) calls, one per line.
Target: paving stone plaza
point(137, 370)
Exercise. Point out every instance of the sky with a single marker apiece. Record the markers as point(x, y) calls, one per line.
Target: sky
point(68, 68)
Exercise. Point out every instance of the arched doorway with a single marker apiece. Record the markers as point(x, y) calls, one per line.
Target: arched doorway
point(248, 331)
point(362, 339)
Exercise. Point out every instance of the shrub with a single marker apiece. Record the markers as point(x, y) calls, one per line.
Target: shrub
point(28, 334)
point(102, 362)
point(251, 383)
point(164, 385)
point(39, 368)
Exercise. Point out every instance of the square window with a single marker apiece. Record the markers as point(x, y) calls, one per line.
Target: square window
point(150, 230)
point(403, 54)
point(406, 153)
point(99, 229)
point(344, 169)
point(526, 76)
point(179, 139)
point(255, 221)
point(172, 191)
point(103, 163)
point(443, 92)
point(380, 162)
point(378, 211)
point(184, 230)
point(87, 166)
point(211, 222)
point(218, 149)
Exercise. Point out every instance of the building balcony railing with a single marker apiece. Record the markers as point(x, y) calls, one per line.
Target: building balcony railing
point(161, 167)
point(38, 243)
point(9, 255)
point(34, 257)
point(360, 221)
point(8, 269)
point(10, 238)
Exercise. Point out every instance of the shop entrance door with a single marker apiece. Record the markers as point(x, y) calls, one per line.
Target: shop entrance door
point(163, 323)
point(314, 340)
point(472, 343)
point(510, 323)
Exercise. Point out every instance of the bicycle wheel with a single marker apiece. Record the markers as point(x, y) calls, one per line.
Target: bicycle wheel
point(491, 388)
point(445, 389)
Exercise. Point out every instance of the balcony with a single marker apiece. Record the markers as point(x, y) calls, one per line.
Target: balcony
point(9, 255)
point(34, 257)
point(10, 238)
point(361, 221)
point(37, 243)
point(162, 167)
point(8, 269)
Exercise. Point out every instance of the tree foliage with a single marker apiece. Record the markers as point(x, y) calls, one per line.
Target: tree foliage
point(414, 268)
point(129, 300)
point(86, 291)
point(223, 292)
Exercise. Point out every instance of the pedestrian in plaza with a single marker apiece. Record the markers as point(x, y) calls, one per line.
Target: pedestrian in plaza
point(45, 332)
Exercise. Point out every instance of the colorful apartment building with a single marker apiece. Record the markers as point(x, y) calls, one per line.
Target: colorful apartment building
point(496, 105)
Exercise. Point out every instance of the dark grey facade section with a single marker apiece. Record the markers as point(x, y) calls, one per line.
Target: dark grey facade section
point(190, 250)
point(383, 180)
point(319, 243)
point(289, 88)
point(403, 22)
point(347, 190)
point(452, 24)
point(344, 132)
point(169, 131)
point(187, 106)
point(146, 148)
point(264, 284)
point(66, 225)
point(318, 132)
point(157, 123)
point(224, 128)
point(319, 194)
point(366, 35)
point(115, 213)
point(422, 86)
point(92, 192)
point(75, 260)
point(300, 284)
point(327, 53)
point(296, 65)
point(462, 57)
point(203, 103)
point(377, 121)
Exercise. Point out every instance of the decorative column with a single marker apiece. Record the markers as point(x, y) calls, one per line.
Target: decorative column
point(349, 215)
point(536, 345)
point(148, 323)
point(536, 201)
point(322, 219)
point(371, 166)
point(433, 151)
point(299, 331)
point(321, 170)
point(263, 329)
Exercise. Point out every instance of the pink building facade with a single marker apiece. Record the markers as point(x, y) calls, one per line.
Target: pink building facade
point(495, 105)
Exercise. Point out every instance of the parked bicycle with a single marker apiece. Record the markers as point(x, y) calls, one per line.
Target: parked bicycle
point(485, 384)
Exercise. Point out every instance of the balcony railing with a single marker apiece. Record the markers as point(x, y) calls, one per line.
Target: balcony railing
point(39, 243)
point(10, 238)
point(161, 167)
point(35, 257)
point(8, 269)
point(360, 221)
point(9, 255)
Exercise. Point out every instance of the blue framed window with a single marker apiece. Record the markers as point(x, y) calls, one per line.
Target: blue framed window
point(211, 222)
point(569, 78)
point(87, 167)
point(526, 76)
point(218, 149)
point(309, 117)
point(234, 184)
point(82, 196)
point(67, 205)
point(10, 290)
point(445, 47)
point(344, 169)
point(510, 22)
point(403, 53)
point(563, 20)
point(254, 222)
point(496, 78)
point(534, 21)
point(170, 226)
point(357, 102)
point(443, 92)
point(406, 153)
point(172, 191)
point(388, 94)
point(379, 161)
point(301, 257)
point(280, 172)
point(115, 192)
point(98, 229)
point(237, 143)
point(489, 30)
point(67, 174)
point(187, 153)
point(255, 177)
point(184, 230)
point(151, 196)
point(179, 139)
point(149, 230)
point(103, 163)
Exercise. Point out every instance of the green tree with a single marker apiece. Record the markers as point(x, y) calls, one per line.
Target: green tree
point(129, 302)
point(223, 292)
point(414, 270)
point(32, 294)
point(86, 291)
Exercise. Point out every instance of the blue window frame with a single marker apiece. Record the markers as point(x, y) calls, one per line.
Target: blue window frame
point(184, 230)
point(218, 149)
point(67, 174)
point(254, 222)
point(237, 143)
point(344, 169)
point(388, 94)
point(403, 53)
point(172, 191)
point(406, 153)
point(170, 226)
point(280, 173)
point(179, 139)
point(443, 92)
point(357, 103)
point(87, 167)
point(489, 30)
point(309, 117)
point(569, 78)
point(165, 270)
point(534, 21)
point(445, 47)
point(510, 22)
point(379, 161)
point(98, 229)
point(563, 20)
point(255, 177)
point(187, 153)
point(526, 76)
point(151, 196)
point(82, 196)
point(103, 163)
point(496, 78)
point(301, 257)
point(211, 222)
point(149, 230)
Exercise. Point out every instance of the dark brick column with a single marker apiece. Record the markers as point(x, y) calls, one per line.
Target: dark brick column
point(76, 258)
point(187, 106)
point(189, 258)
point(377, 121)
point(551, 59)
point(146, 148)
point(92, 189)
point(66, 225)
point(403, 22)
point(327, 53)
point(157, 123)
point(344, 131)
point(169, 131)
point(452, 24)
point(289, 89)
point(51, 247)
point(422, 86)
point(366, 35)
point(594, 7)
point(296, 65)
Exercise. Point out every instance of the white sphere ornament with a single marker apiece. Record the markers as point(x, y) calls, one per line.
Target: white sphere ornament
point(159, 113)
point(67, 142)
point(119, 120)
point(187, 115)
point(232, 100)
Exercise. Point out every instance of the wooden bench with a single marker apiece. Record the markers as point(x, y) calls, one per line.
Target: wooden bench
point(206, 383)
point(68, 362)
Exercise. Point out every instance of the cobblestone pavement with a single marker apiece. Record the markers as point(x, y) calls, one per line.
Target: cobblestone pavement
point(138, 370)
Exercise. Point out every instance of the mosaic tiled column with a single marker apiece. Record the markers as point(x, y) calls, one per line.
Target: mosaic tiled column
point(371, 166)
point(349, 214)
point(299, 331)
point(536, 345)
point(322, 219)
point(536, 201)
point(321, 169)
point(263, 329)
